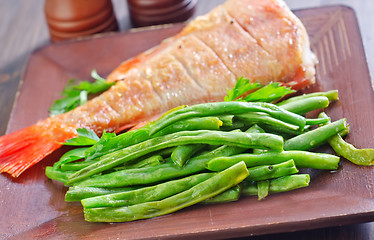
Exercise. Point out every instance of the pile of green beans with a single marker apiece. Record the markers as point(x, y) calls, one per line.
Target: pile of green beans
point(206, 153)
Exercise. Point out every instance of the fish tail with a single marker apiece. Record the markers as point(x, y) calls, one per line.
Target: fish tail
point(22, 149)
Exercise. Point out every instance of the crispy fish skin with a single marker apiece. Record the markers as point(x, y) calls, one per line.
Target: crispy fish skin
point(259, 40)
point(279, 32)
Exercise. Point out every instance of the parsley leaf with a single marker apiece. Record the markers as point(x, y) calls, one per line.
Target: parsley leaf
point(268, 93)
point(242, 86)
point(258, 92)
point(77, 94)
point(86, 137)
point(71, 156)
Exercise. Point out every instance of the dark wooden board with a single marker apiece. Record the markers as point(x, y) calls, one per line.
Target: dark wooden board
point(33, 207)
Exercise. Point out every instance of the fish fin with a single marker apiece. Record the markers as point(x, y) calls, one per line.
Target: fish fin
point(22, 149)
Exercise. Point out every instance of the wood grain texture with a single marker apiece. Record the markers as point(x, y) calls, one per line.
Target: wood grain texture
point(53, 218)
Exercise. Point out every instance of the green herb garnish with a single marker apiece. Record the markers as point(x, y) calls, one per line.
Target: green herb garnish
point(71, 156)
point(86, 137)
point(242, 86)
point(260, 93)
point(77, 94)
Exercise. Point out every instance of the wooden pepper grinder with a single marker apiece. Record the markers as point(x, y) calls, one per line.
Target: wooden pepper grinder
point(69, 19)
point(153, 12)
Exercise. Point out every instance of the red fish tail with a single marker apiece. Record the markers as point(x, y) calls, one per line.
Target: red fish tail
point(24, 148)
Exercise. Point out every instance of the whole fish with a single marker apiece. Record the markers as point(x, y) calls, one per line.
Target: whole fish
point(260, 40)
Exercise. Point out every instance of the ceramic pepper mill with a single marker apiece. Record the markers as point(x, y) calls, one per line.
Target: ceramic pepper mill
point(67, 19)
point(154, 12)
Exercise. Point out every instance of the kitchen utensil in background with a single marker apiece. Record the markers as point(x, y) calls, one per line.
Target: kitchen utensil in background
point(155, 12)
point(67, 19)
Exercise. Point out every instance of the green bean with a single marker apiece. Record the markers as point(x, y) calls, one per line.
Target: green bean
point(227, 120)
point(316, 121)
point(153, 160)
point(260, 118)
point(150, 175)
point(160, 173)
point(150, 161)
point(236, 124)
point(256, 129)
point(146, 194)
point(77, 193)
point(315, 137)
point(302, 159)
point(250, 188)
point(182, 153)
point(263, 189)
point(139, 135)
point(116, 143)
point(240, 139)
point(165, 153)
point(222, 108)
point(57, 174)
point(191, 124)
point(289, 183)
point(207, 189)
point(363, 157)
point(282, 184)
point(230, 195)
point(284, 132)
point(332, 95)
point(75, 166)
point(306, 105)
point(272, 171)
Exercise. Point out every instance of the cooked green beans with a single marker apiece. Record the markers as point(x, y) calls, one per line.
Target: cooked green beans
point(222, 108)
point(331, 95)
point(77, 193)
point(305, 105)
point(282, 184)
point(240, 139)
point(146, 194)
point(57, 174)
point(302, 159)
point(75, 166)
point(256, 129)
point(192, 124)
point(263, 189)
point(363, 157)
point(139, 135)
point(260, 118)
point(230, 195)
point(272, 171)
point(207, 189)
point(315, 137)
point(121, 141)
point(160, 173)
point(182, 153)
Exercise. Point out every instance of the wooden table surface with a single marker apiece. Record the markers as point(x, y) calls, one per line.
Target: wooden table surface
point(23, 29)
